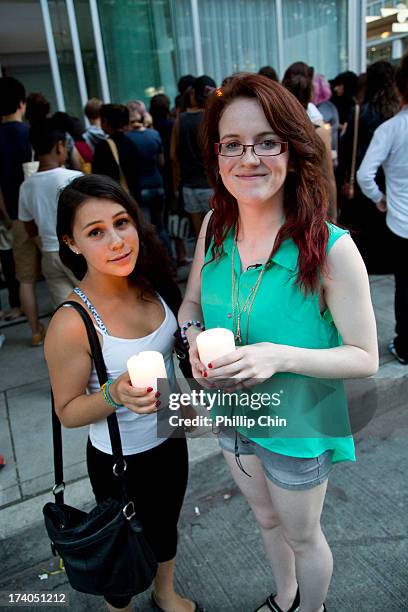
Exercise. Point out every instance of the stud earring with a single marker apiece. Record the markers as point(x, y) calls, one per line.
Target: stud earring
point(71, 248)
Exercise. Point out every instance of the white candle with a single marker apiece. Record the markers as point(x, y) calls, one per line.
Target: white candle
point(145, 368)
point(214, 343)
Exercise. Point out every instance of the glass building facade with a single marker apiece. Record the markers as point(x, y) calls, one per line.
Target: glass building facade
point(120, 50)
point(387, 30)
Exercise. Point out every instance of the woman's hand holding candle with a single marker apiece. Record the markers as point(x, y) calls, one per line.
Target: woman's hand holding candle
point(209, 345)
point(140, 400)
point(137, 388)
point(248, 365)
point(198, 368)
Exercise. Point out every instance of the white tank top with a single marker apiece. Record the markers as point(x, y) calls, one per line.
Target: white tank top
point(138, 432)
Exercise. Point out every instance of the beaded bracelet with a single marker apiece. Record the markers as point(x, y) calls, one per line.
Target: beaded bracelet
point(107, 396)
point(184, 327)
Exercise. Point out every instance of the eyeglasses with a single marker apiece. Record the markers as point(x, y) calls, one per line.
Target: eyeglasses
point(266, 148)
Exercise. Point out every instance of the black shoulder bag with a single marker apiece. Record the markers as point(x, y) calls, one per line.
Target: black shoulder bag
point(104, 551)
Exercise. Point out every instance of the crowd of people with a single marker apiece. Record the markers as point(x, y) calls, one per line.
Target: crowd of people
point(273, 177)
point(160, 166)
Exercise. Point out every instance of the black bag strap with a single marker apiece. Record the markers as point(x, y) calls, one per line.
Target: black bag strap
point(119, 463)
point(59, 486)
point(208, 234)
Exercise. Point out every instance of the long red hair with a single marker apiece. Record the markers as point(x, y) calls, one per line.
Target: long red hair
point(305, 189)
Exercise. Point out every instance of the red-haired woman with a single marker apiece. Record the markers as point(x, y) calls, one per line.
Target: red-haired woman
point(294, 290)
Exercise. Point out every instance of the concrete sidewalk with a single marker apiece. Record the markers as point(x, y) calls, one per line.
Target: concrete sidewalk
point(221, 562)
point(220, 558)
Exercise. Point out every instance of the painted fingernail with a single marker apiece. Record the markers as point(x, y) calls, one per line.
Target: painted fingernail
point(149, 389)
point(158, 404)
point(157, 394)
point(205, 374)
point(210, 365)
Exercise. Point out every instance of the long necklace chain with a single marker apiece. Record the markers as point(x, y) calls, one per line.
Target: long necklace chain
point(237, 312)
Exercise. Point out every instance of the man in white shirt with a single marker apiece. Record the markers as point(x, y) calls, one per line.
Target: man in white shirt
point(389, 149)
point(38, 203)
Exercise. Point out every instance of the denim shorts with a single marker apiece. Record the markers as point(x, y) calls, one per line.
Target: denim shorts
point(196, 200)
point(293, 473)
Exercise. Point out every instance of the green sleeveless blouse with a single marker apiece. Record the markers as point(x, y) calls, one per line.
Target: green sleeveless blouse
point(315, 410)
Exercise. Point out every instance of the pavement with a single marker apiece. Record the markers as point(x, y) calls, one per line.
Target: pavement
point(220, 561)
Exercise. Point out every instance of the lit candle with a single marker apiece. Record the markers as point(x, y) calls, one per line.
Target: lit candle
point(214, 343)
point(146, 368)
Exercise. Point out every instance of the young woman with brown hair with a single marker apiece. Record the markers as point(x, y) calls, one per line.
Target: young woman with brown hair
point(293, 289)
point(127, 285)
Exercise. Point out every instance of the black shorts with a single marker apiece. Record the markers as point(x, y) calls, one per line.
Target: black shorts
point(156, 481)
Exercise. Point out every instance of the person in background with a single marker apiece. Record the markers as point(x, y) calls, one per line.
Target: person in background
point(138, 115)
point(84, 150)
point(298, 79)
point(151, 159)
point(269, 72)
point(163, 122)
point(137, 112)
point(115, 123)
point(94, 132)
point(361, 88)
point(147, 120)
point(65, 123)
point(189, 172)
point(15, 149)
point(182, 100)
point(38, 204)
point(389, 149)
point(37, 109)
point(344, 90)
point(321, 98)
point(7, 268)
point(365, 221)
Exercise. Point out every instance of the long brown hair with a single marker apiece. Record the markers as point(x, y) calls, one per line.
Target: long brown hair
point(380, 92)
point(305, 190)
point(152, 272)
point(298, 79)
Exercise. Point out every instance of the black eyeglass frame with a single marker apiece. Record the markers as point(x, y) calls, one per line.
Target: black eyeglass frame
point(284, 148)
